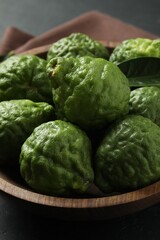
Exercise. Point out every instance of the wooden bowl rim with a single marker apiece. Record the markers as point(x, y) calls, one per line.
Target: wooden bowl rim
point(10, 188)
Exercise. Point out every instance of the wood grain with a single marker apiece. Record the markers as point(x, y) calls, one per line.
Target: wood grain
point(96, 208)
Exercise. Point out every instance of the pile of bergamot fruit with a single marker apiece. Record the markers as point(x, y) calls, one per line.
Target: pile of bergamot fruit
point(71, 120)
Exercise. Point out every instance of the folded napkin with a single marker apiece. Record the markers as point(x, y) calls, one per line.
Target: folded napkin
point(95, 24)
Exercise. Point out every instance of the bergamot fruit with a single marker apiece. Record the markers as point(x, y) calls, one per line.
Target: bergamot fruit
point(77, 45)
point(18, 118)
point(134, 48)
point(128, 156)
point(145, 101)
point(25, 77)
point(56, 159)
point(90, 92)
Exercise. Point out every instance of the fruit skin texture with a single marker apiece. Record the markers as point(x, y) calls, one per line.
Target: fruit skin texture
point(128, 156)
point(56, 159)
point(25, 77)
point(133, 48)
point(145, 101)
point(77, 45)
point(89, 92)
point(18, 118)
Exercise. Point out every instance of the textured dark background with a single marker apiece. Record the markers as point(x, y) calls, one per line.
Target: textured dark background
point(36, 17)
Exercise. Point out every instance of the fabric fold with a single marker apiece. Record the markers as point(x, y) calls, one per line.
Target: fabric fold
point(95, 24)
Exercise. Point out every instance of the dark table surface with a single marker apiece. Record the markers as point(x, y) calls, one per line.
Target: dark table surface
point(36, 17)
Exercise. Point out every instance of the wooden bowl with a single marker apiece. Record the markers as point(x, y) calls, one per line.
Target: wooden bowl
point(96, 208)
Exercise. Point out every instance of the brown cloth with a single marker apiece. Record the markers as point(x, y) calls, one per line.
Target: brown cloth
point(95, 24)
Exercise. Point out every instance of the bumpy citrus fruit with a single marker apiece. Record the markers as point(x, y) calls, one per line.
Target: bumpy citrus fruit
point(25, 77)
point(18, 118)
point(56, 159)
point(145, 101)
point(88, 91)
point(133, 48)
point(76, 45)
point(128, 156)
